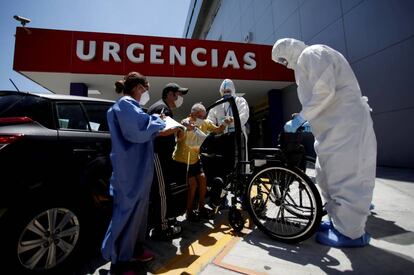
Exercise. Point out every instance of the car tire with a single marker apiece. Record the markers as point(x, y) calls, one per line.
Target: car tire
point(44, 239)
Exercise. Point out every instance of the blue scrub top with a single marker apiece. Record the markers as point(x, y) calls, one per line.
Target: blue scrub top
point(132, 134)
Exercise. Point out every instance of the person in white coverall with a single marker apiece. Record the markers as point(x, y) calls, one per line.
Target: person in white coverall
point(345, 141)
point(223, 111)
point(220, 114)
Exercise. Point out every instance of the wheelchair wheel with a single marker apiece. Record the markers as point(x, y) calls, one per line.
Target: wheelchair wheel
point(236, 219)
point(284, 204)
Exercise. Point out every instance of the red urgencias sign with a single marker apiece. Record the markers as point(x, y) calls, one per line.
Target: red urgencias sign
point(103, 53)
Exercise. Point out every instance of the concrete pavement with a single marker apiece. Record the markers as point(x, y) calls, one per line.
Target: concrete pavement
point(391, 250)
point(212, 248)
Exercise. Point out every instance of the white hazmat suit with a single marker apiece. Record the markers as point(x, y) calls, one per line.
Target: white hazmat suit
point(345, 141)
point(220, 112)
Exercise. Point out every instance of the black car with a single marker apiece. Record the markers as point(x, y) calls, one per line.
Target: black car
point(54, 175)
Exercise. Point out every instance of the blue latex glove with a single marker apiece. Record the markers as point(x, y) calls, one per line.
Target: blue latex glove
point(292, 125)
point(306, 127)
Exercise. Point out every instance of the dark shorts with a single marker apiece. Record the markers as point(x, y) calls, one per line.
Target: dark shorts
point(193, 169)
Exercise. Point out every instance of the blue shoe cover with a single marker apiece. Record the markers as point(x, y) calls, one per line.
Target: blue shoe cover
point(325, 225)
point(371, 206)
point(332, 237)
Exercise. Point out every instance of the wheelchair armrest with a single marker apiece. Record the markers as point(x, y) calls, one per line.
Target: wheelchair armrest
point(265, 153)
point(265, 156)
point(212, 155)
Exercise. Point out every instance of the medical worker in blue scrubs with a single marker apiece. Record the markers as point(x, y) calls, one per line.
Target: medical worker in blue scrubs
point(132, 134)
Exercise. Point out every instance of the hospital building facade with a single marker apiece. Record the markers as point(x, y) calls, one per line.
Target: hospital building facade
point(233, 39)
point(376, 37)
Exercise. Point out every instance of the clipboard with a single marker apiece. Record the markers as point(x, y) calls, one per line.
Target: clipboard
point(171, 123)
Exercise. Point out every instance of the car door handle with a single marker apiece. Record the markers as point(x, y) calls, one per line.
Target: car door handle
point(83, 150)
point(84, 153)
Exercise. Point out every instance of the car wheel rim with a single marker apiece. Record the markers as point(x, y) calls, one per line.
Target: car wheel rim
point(48, 239)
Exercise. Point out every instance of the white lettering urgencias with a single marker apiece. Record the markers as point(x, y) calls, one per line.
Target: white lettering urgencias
point(135, 54)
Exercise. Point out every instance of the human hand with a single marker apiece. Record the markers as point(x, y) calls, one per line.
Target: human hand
point(189, 125)
point(162, 116)
point(292, 125)
point(228, 120)
point(306, 127)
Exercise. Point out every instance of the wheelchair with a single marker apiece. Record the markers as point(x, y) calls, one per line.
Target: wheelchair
point(281, 199)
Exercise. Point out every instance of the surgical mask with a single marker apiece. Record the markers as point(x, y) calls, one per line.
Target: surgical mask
point(145, 97)
point(198, 122)
point(179, 101)
point(226, 95)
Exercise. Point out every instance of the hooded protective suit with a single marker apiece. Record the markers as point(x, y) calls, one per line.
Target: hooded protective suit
point(220, 112)
point(345, 141)
point(132, 133)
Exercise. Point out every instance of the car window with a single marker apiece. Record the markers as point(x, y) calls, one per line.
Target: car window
point(71, 116)
point(96, 113)
point(21, 104)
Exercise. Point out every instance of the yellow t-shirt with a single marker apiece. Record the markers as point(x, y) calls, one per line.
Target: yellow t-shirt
point(186, 154)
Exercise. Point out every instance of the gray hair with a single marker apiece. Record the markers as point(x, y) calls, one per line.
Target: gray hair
point(198, 107)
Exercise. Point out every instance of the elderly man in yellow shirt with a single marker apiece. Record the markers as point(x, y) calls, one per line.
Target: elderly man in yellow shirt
point(186, 156)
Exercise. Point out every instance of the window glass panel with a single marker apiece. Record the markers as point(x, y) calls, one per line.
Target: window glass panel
point(70, 116)
point(20, 104)
point(96, 113)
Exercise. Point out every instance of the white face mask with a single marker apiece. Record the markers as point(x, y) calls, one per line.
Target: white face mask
point(145, 97)
point(179, 101)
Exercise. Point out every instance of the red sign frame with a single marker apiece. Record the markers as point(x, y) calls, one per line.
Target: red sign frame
point(45, 50)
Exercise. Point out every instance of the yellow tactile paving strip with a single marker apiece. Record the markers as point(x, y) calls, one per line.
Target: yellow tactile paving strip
point(203, 251)
point(193, 258)
point(219, 260)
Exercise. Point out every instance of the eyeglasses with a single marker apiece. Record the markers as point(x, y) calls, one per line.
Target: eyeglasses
point(282, 61)
point(146, 86)
point(200, 115)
